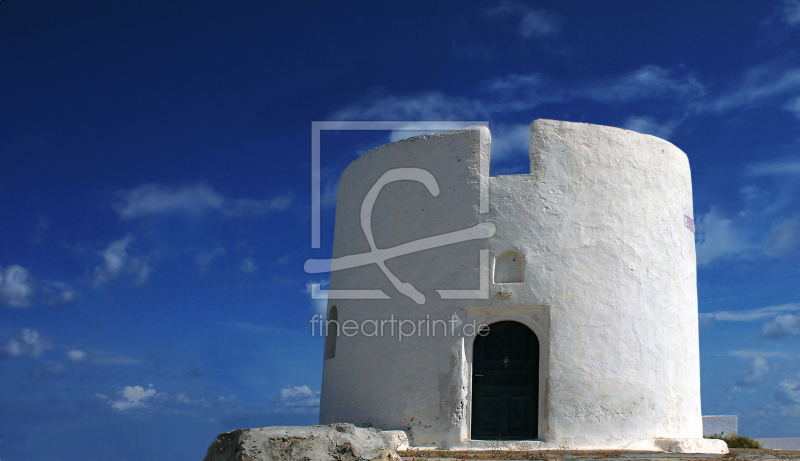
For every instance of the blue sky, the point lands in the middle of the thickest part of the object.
(155, 185)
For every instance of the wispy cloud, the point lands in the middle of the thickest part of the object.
(297, 399)
(76, 356)
(509, 140)
(783, 325)
(759, 85)
(29, 343)
(115, 259)
(19, 289)
(248, 266)
(190, 200)
(427, 106)
(683, 92)
(749, 315)
(649, 125)
(529, 22)
(791, 12)
(47, 372)
(788, 392)
(755, 372)
(793, 106)
(519, 92)
(785, 321)
(250, 207)
(718, 236)
(153, 199)
(784, 237)
(141, 399)
(775, 168)
(133, 397)
(204, 258)
(193, 372)
(16, 288)
(516, 92)
(646, 82)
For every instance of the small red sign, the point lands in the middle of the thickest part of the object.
(689, 223)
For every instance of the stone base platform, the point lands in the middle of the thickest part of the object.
(735, 454)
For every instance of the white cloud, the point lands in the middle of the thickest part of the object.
(717, 237)
(783, 325)
(518, 92)
(47, 372)
(28, 343)
(152, 199)
(647, 82)
(531, 22)
(16, 286)
(781, 167)
(250, 207)
(793, 106)
(785, 320)
(133, 397)
(401, 133)
(750, 353)
(65, 297)
(750, 315)
(141, 269)
(783, 238)
(76, 356)
(115, 256)
(116, 260)
(195, 200)
(511, 140)
(204, 259)
(758, 85)
(515, 92)
(791, 12)
(138, 397)
(538, 23)
(788, 392)
(649, 125)
(297, 399)
(755, 372)
(329, 193)
(426, 106)
(184, 399)
(248, 266)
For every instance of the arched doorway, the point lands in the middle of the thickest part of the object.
(505, 383)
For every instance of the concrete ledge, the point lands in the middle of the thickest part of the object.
(667, 445)
(606, 455)
(785, 443)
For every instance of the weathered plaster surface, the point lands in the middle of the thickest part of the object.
(609, 287)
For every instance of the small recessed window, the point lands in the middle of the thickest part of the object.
(509, 268)
(331, 332)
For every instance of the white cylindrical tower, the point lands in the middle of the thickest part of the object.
(589, 277)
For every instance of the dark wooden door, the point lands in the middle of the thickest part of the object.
(505, 383)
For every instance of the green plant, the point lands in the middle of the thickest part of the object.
(736, 441)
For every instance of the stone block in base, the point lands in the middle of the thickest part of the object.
(323, 443)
